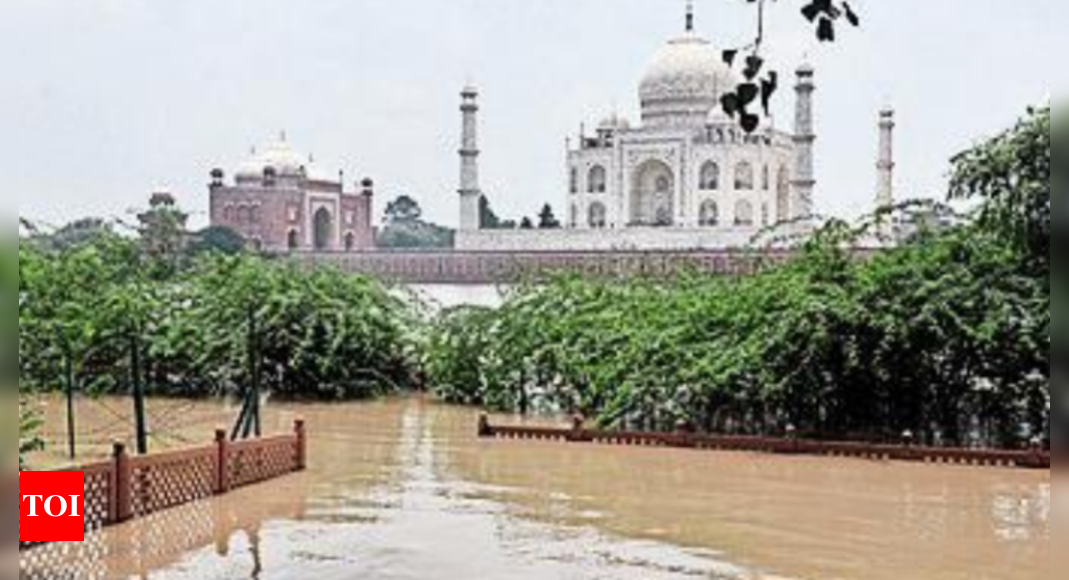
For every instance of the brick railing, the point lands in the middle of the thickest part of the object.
(1034, 458)
(127, 487)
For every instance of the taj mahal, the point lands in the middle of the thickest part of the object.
(685, 176)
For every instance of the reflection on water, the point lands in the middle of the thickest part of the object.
(404, 491)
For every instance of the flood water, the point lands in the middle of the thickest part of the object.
(403, 490)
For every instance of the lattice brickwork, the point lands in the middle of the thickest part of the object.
(126, 487)
(99, 489)
(173, 479)
(256, 461)
(65, 560)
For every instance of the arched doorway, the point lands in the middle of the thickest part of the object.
(323, 228)
(653, 195)
(350, 241)
(710, 214)
(597, 215)
(293, 241)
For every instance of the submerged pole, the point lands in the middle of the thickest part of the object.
(139, 395)
(71, 434)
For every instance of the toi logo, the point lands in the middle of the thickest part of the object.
(52, 506)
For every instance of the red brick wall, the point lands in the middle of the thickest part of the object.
(495, 267)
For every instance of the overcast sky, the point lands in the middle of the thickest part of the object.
(103, 101)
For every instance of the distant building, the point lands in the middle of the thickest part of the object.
(686, 176)
(280, 201)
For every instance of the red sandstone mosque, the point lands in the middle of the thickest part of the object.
(281, 202)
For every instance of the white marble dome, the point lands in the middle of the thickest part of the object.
(684, 82)
(279, 156)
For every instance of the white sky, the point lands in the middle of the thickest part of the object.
(103, 101)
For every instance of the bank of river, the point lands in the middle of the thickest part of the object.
(403, 490)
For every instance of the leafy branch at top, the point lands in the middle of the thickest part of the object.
(825, 15)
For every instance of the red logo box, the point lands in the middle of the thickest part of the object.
(52, 506)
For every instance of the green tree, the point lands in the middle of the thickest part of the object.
(163, 236)
(546, 219)
(403, 210)
(76, 234)
(29, 441)
(1011, 176)
(216, 239)
(488, 220)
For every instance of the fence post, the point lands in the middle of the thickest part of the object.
(908, 442)
(684, 434)
(222, 462)
(1036, 447)
(123, 508)
(792, 439)
(302, 445)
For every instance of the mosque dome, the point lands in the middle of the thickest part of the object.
(278, 157)
(614, 122)
(684, 82)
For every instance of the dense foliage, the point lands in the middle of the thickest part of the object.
(946, 337)
(84, 311)
(1059, 179)
(29, 441)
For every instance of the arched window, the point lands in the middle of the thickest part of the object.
(744, 213)
(709, 180)
(350, 241)
(744, 176)
(764, 214)
(293, 240)
(783, 195)
(244, 214)
(596, 215)
(765, 178)
(573, 181)
(596, 180)
(228, 213)
(573, 217)
(710, 214)
(254, 214)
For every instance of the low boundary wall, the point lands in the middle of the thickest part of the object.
(127, 487)
(1034, 458)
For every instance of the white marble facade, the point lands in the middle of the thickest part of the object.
(685, 176)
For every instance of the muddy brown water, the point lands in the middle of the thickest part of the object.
(403, 490)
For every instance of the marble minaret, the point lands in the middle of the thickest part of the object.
(804, 180)
(885, 166)
(470, 193)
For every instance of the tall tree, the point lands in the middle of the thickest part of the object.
(488, 220)
(163, 235)
(546, 219)
(1011, 176)
(403, 210)
(404, 227)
